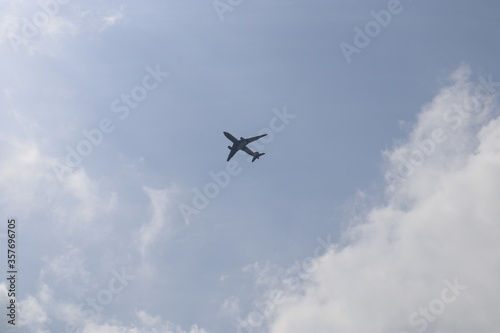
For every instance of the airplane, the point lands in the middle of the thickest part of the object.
(241, 144)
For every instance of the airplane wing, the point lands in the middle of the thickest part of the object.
(255, 138)
(230, 137)
(248, 151)
(231, 153)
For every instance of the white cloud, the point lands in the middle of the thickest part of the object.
(108, 328)
(440, 223)
(30, 183)
(85, 199)
(40, 28)
(150, 231)
(113, 18)
(4, 301)
(230, 307)
(68, 270)
(147, 319)
(266, 275)
(33, 313)
(35, 28)
(21, 171)
(148, 324)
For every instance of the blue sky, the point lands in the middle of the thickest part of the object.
(374, 208)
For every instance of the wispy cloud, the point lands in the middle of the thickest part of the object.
(115, 17)
(151, 230)
(68, 271)
(41, 28)
(147, 324)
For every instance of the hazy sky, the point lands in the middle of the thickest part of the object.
(375, 208)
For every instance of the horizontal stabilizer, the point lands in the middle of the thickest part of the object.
(256, 156)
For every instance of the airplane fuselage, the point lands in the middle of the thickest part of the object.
(238, 145)
(241, 144)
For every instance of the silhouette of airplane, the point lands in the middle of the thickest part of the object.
(241, 144)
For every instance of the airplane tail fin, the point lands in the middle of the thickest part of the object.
(256, 156)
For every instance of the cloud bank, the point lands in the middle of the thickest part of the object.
(428, 259)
